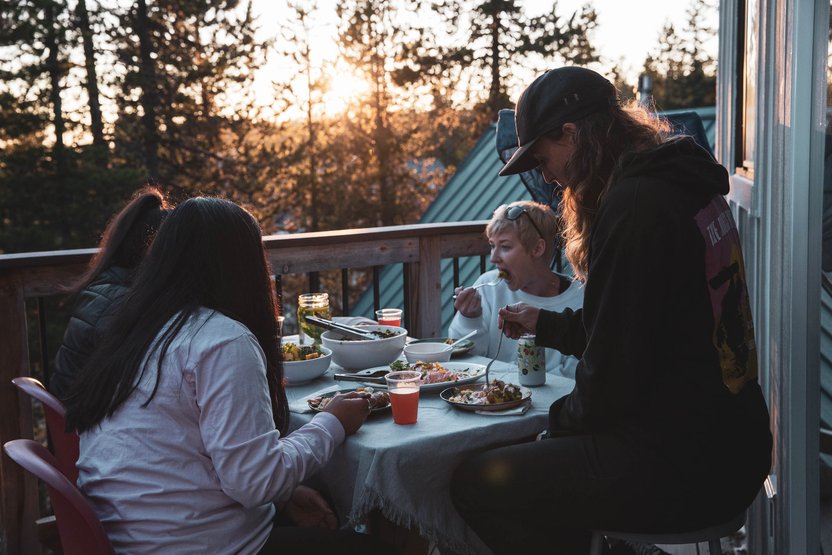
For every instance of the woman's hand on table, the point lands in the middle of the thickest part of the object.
(517, 319)
(307, 508)
(467, 302)
(351, 409)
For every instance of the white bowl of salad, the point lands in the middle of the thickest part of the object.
(357, 354)
(304, 363)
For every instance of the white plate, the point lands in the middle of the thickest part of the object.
(333, 393)
(473, 372)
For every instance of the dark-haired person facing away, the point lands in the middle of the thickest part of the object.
(182, 412)
(666, 429)
(122, 247)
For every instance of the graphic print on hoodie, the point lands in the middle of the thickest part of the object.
(733, 333)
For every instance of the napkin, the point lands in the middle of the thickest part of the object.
(353, 320)
(519, 410)
(300, 406)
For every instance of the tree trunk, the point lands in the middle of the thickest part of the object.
(381, 136)
(53, 67)
(149, 95)
(496, 85)
(96, 122)
(312, 146)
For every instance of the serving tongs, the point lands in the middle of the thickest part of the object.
(349, 331)
(367, 376)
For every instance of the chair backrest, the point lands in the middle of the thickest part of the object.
(690, 123)
(65, 444)
(80, 530)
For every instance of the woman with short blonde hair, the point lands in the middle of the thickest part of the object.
(523, 237)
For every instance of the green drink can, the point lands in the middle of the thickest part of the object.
(531, 362)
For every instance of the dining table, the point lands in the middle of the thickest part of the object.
(405, 471)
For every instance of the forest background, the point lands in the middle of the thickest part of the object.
(97, 99)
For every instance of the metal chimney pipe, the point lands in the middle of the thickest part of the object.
(645, 90)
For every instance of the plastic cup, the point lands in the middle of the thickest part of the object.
(403, 388)
(389, 316)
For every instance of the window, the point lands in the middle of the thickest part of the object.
(748, 70)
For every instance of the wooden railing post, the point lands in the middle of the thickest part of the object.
(425, 289)
(19, 489)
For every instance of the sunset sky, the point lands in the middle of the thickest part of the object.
(626, 31)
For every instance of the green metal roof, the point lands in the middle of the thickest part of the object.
(472, 194)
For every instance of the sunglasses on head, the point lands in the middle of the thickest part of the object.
(514, 212)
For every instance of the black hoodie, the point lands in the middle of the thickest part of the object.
(665, 337)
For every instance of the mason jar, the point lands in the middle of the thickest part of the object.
(312, 303)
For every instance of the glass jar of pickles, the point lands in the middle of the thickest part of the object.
(312, 303)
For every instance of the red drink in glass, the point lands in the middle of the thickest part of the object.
(405, 403)
(404, 395)
(389, 317)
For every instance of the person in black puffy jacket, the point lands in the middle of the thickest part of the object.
(123, 246)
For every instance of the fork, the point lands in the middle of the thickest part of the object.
(496, 280)
(493, 360)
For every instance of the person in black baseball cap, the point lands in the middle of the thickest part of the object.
(666, 428)
(566, 94)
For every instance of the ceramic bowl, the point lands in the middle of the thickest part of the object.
(357, 354)
(302, 371)
(427, 352)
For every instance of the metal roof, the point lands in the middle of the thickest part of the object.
(472, 194)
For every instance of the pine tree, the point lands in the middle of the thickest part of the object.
(190, 67)
(84, 27)
(683, 71)
(369, 38)
(304, 91)
(502, 36)
(498, 35)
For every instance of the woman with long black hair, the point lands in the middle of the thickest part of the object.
(182, 412)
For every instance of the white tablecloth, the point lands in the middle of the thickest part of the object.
(405, 471)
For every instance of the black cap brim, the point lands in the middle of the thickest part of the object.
(521, 161)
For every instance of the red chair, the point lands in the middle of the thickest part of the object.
(80, 530)
(65, 444)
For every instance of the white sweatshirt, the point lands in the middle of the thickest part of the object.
(488, 334)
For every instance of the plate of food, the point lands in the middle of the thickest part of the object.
(459, 349)
(496, 395)
(379, 400)
(436, 375)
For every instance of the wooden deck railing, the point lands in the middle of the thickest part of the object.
(22, 276)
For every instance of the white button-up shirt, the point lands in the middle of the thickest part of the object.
(197, 469)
